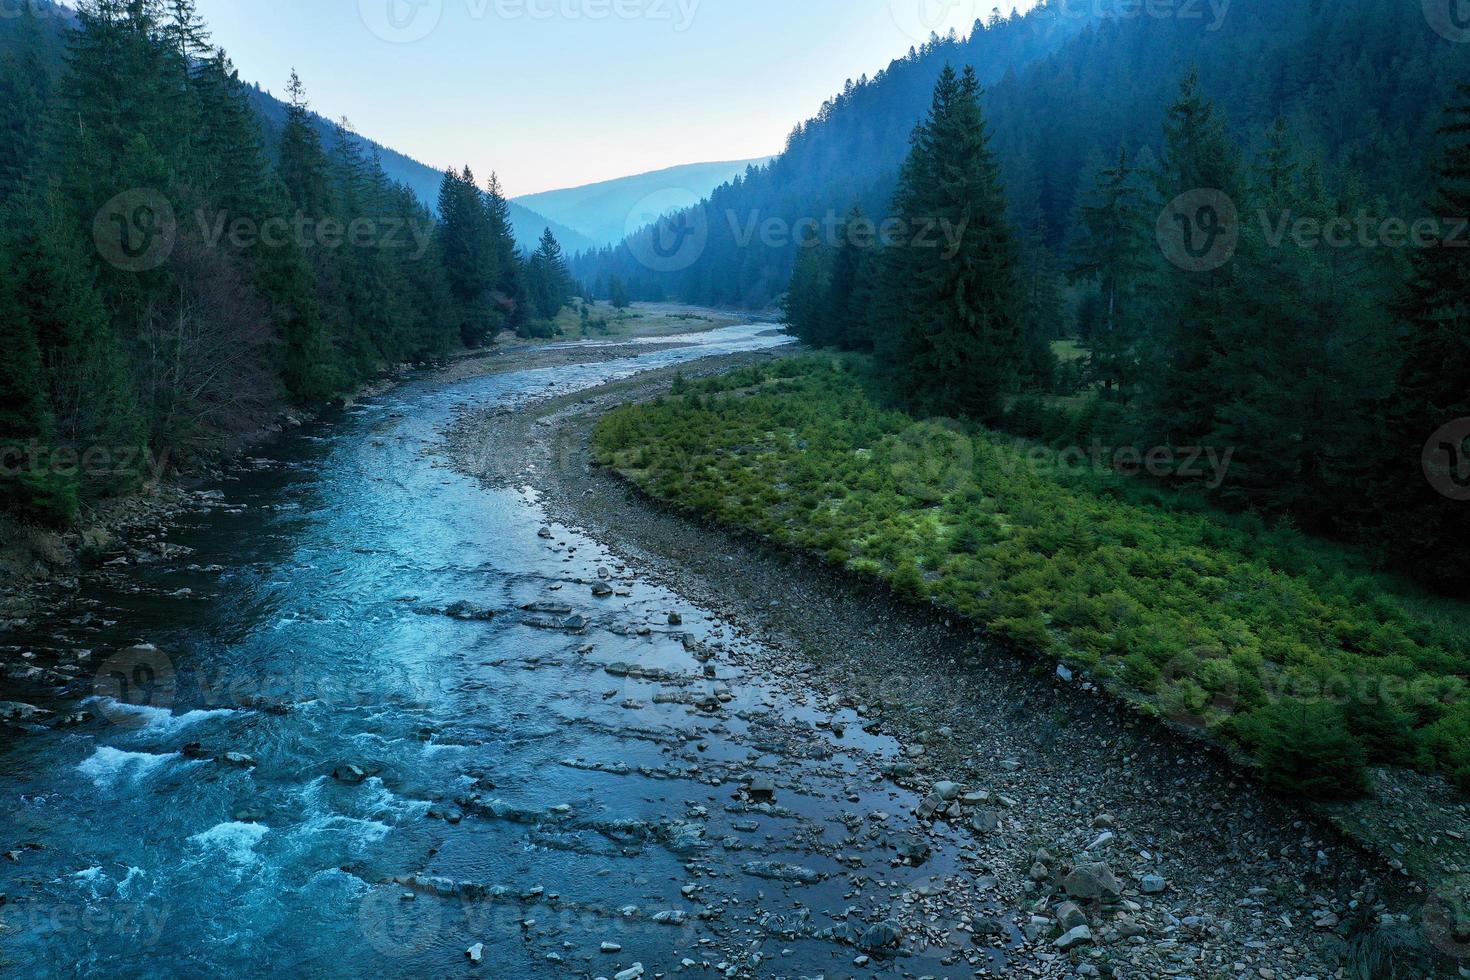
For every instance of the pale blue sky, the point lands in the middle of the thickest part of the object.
(555, 93)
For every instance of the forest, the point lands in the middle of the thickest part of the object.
(177, 273)
(1275, 272)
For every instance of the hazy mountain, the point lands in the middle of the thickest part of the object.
(603, 211)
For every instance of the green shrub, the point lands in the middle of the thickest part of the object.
(1305, 748)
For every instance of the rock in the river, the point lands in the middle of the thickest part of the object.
(775, 871)
(915, 850)
(884, 935)
(237, 759)
(349, 773)
(609, 949)
(1093, 882)
(544, 534)
(16, 711)
(469, 612)
(675, 619)
(1081, 936)
(631, 973)
(761, 788)
(476, 954)
(601, 590)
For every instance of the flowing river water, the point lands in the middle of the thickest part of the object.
(575, 783)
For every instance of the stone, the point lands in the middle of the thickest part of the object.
(761, 788)
(238, 759)
(609, 949)
(475, 954)
(1153, 885)
(631, 973)
(986, 821)
(1040, 872)
(349, 773)
(1092, 882)
(16, 711)
(775, 871)
(1070, 916)
(469, 612)
(1129, 929)
(914, 850)
(988, 928)
(601, 590)
(1081, 936)
(946, 791)
(675, 619)
(884, 935)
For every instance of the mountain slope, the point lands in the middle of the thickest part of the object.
(420, 178)
(1360, 82)
(424, 180)
(601, 211)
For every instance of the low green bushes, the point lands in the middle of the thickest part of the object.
(1286, 646)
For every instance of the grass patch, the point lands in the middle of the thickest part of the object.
(1287, 647)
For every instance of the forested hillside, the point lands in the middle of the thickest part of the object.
(400, 168)
(1359, 83)
(173, 277)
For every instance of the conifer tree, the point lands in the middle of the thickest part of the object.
(1193, 290)
(952, 296)
(806, 299)
(1427, 456)
(1110, 252)
(551, 283)
(25, 89)
(850, 285)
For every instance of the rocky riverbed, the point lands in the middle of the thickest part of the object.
(1113, 848)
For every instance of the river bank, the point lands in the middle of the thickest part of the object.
(1222, 878)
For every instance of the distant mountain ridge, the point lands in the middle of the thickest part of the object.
(602, 211)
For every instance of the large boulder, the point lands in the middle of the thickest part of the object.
(1093, 882)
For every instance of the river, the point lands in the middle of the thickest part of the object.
(553, 782)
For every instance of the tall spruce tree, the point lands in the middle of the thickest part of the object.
(952, 297)
(1194, 290)
(1427, 456)
(1110, 253)
(550, 282)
